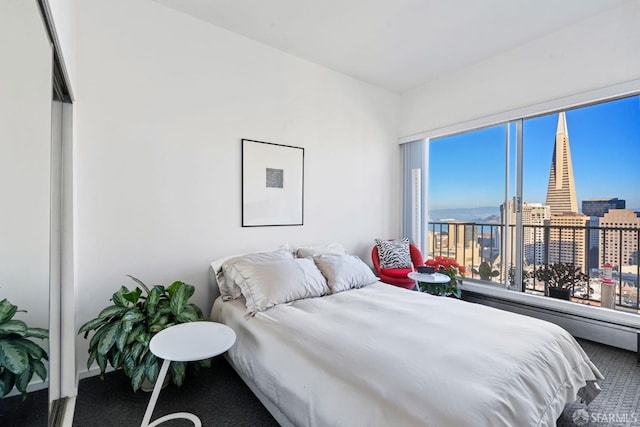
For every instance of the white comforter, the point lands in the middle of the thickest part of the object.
(385, 356)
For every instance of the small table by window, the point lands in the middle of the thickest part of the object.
(186, 342)
(429, 278)
(435, 284)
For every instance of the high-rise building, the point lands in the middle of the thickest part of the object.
(593, 244)
(561, 192)
(599, 207)
(459, 241)
(534, 216)
(567, 239)
(567, 232)
(620, 237)
(507, 216)
(595, 209)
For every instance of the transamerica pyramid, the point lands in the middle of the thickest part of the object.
(561, 193)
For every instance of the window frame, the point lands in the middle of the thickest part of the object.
(517, 116)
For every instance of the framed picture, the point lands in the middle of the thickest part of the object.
(272, 184)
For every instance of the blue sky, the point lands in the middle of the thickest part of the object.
(468, 170)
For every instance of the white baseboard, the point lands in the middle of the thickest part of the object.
(34, 385)
(93, 372)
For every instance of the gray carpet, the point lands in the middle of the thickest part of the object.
(217, 396)
(618, 404)
(220, 398)
(31, 412)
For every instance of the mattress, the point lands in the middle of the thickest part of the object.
(382, 356)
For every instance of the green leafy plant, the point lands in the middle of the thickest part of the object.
(485, 271)
(20, 358)
(450, 268)
(511, 275)
(562, 275)
(123, 330)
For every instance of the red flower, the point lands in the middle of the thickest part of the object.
(448, 266)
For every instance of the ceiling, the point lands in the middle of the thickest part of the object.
(394, 44)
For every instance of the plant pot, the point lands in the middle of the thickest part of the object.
(147, 386)
(560, 293)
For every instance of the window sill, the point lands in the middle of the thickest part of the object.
(596, 313)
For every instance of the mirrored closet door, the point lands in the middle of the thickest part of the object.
(25, 208)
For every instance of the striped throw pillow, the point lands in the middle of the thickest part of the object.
(394, 253)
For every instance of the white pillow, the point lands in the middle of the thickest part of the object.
(331, 248)
(344, 272)
(228, 275)
(266, 284)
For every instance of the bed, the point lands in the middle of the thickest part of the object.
(379, 355)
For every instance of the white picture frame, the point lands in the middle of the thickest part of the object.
(272, 184)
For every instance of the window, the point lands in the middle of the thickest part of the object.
(558, 188)
(466, 187)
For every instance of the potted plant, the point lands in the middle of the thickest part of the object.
(560, 277)
(448, 267)
(485, 271)
(123, 330)
(20, 357)
(511, 277)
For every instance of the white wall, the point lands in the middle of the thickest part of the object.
(597, 52)
(163, 101)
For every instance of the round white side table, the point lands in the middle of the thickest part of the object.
(186, 342)
(429, 278)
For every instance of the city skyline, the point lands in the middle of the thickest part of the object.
(605, 146)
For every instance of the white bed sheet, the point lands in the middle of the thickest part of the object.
(383, 356)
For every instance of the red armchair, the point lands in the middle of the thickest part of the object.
(397, 276)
